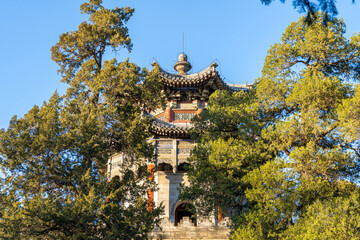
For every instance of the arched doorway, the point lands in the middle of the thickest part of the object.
(185, 210)
(164, 167)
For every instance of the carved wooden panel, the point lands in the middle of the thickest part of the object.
(184, 151)
(186, 106)
(186, 144)
(165, 151)
(165, 144)
(184, 116)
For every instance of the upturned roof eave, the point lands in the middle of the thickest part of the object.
(196, 79)
(166, 129)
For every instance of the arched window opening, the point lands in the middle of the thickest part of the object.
(185, 210)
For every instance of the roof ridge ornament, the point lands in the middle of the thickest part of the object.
(182, 66)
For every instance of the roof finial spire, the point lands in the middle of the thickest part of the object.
(182, 66)
(183, 43)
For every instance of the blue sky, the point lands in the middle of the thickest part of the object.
(235, 33)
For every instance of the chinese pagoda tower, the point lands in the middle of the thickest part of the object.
(186, 95)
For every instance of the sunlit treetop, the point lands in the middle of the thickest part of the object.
(105, 28)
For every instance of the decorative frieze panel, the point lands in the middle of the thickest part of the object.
(165, 160)
(184, 151)
(164, 151)
(186, 144)
(187, 105)
(184, 116)
(165, 144)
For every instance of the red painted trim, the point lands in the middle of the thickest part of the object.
(151, 192)
(181, 121)
(185, 111)
(220, 216)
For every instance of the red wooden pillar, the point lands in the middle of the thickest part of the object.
(151, 192)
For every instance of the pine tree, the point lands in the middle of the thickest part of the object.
(288, 151)
(55, 157)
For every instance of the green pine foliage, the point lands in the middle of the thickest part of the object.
(283, 158)
(337, 218)
(310, 7)
(55, 157)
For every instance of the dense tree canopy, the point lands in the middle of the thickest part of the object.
(311, 7)
(285, 157)
(54, 158)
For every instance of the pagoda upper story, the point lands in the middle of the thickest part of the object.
(186, 95)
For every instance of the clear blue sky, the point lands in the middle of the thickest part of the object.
(236, 33)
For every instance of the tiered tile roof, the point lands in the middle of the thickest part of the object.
(209, 76)
(206, 81)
